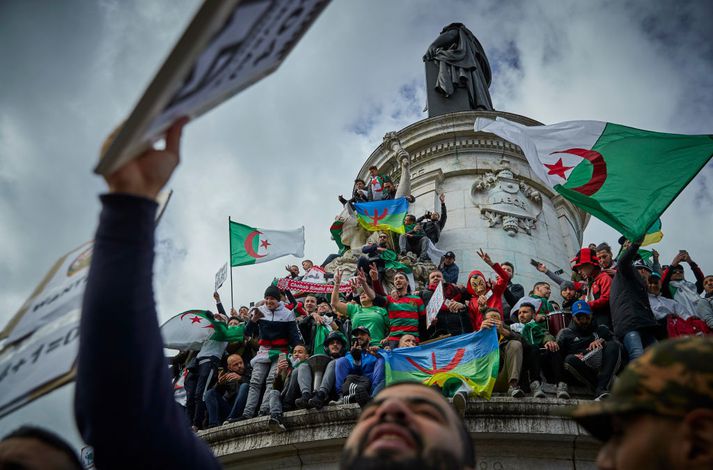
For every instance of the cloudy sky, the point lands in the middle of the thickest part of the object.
(277, 155)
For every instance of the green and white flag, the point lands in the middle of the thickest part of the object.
(250, 245)
(625, 177)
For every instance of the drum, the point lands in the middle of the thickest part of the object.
(556, 321)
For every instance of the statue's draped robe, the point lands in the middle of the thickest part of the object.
(465, 64)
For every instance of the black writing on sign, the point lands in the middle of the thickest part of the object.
(45, 349)
(252, 42)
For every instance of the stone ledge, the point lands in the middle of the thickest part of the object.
(522, 433)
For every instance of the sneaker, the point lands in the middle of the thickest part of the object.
(317, 401)
(602, 396)
(515, 391)
(304, 401)
(361, 396)
(460, 401)
(536, 388)
(235, 420)
(562, 391)
(275, 424)
(346, 399)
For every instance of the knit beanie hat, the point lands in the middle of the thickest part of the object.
(272, 291)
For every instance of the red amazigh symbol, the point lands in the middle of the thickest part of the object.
(376, 215)
(451, 365)
(558, 169)
(599, 170)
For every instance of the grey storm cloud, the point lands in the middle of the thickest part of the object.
(278, 154)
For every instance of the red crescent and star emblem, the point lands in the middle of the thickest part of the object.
(248, 245)
(599, 169)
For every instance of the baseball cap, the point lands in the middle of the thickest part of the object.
(581, 307)
(671, 379)
(641, 265)
(449, 254)
(360, 329)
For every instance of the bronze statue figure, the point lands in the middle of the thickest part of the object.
(461, 63)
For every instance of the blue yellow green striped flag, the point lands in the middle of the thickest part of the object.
(653, 234)
(382, 215)
(471, 360)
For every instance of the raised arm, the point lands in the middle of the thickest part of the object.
(444, 212)
(337, 304)
(143, 423)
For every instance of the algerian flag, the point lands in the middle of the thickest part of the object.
(250, 245)
(190, 329)
(187, 330)
(625, 177)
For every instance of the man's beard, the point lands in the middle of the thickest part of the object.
(435, 459)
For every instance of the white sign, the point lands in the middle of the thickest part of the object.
(46, 357)
(221, 276)
(434, 305)
(229, 45)
(60, 292)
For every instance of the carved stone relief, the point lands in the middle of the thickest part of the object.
(506, 201)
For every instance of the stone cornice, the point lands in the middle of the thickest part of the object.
(310, 431)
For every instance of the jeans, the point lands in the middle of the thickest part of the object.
(510, 365)
(636, 341)
(263, 372)
(220, 409)
(305, 378)
(195, 407)
(600, 379)
(418, 246)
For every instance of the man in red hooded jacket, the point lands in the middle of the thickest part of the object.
(599, 286)
(478, 288)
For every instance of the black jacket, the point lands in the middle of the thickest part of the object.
(576, 340)
(433, 229)
(629, 298)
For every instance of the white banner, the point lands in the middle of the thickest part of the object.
(47, 356)
(221, 276)
(60, 292)
(434, 305)
(228, 46)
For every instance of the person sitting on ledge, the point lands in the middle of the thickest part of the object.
(414, 240)
(510, 354)
(432, 223)
(591, 355)
(360, 373)
(540, 349)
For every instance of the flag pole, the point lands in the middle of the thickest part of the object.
(230, 244)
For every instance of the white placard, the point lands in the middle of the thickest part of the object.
(60, 292)
(229, 45)
(434, 305)
(47, 356)
(221, 276)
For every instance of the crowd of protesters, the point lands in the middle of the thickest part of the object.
(301, 350)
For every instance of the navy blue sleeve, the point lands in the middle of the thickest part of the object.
(124, 403)
(252, 329)
(295, 336)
